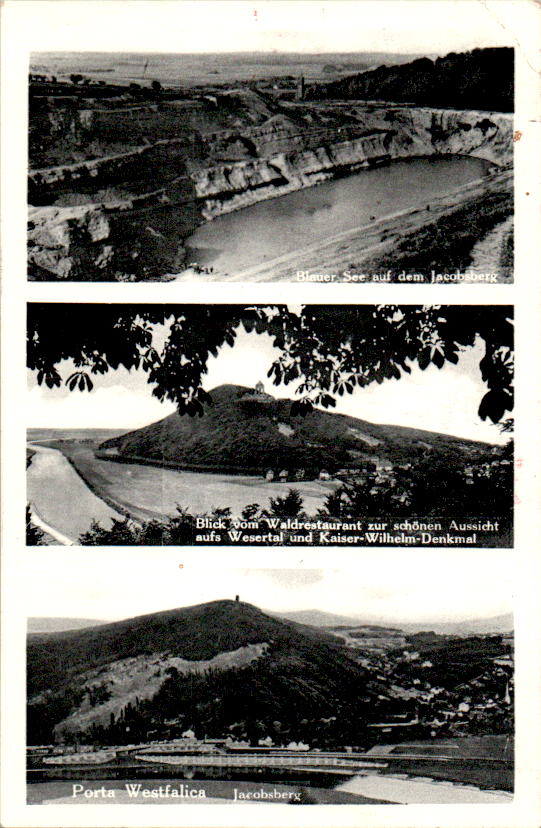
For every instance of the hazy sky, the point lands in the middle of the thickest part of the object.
(417, 26)
(390, 585)
(443, 400)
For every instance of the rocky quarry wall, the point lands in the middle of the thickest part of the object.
(141, 236)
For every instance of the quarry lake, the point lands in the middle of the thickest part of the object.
(264, 231)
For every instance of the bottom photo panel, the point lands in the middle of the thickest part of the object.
(164, 683)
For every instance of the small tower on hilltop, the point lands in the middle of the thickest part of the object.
(260, 388)
(237, 597)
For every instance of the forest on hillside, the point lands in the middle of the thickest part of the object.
(480, 79)
(303, 690)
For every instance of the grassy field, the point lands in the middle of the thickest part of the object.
(448, 242)
(485, 761)
(467, 772)
(498, 746)
(97, 434)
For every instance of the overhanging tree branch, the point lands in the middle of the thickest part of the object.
(328, 350)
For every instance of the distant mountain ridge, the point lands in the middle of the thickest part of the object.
(472, 626)
(314, 618)
(318, 618)
(248, 432)
(494, 624)
(52, 625)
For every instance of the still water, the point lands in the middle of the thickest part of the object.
(273, 228)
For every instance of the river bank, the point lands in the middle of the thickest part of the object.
(404, 790)
(60, 500)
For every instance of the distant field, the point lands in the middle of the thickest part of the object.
(465, 771)
(73, 433)
(210, 68)
(470, 747)
(470, 763)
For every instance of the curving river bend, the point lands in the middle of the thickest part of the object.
(63, 501)
(60, 498)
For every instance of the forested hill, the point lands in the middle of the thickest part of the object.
(480, 79)
(228, 669)
(153, 673)
(193, 633)
(247, 432)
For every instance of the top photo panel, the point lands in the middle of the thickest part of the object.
(273, 166)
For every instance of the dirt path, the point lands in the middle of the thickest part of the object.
(486, 254)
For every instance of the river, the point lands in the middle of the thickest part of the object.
(60, 497)
(64, 502)
(421, 791)
(272, 228)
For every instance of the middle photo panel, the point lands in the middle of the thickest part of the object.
(270, 425)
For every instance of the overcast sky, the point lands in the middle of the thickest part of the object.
(442, 400)
(410, 26)
(390, 585)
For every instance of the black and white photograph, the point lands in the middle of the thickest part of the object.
(219, 425)
(271, 686)
(384, 156)
(270, 537)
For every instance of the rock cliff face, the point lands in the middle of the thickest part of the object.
(137, 238)
(399, 133)
(142, 204)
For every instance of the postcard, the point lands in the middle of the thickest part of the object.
(270, 467)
